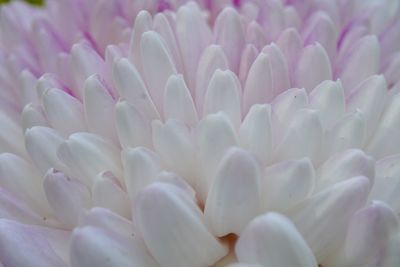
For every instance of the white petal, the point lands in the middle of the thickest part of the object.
(87, 155)
(348, 132)
(107, 193)
(106, 219)
(22, 246)
(92, 246)
(273, 240)
(23, 180)
(33, 115)
(291, 44)
(256, 132)
(141, 167)
(233, 199)
(361, 61)
(42, 144)
(158, 209)
(174, 144)
(387, 181)
(328, 99)
(63, 111)
(157, 65)
(286, 184)
(213, 58)
(178, 103)
(322, 219)
(255, 35)
(193, 36)
(280, 75)
(99, 107)
(132, 128)
(11, 136)
(67, 197)
(27, 83)
(302, 138)
(85, 62)
(313, 57)
(143, 23)
(131, 87)
(369, 97)
(385, 140)
(215, 136)
(223, 94)
(259, 84)
(229, 33)
(163, 27)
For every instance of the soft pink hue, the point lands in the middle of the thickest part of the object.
(209, 133)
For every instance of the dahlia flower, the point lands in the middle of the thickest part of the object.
(191, 134)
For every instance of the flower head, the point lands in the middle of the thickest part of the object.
(209, 133)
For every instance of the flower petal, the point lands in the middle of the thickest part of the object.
(272, 240)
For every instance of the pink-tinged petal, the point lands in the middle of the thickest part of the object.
(99, 108)
(223, 94)
(85, 62)
(63, 111)
(286, 184)
(178, 103)
(387, 182)
(23, 180)
(158, 65)
(392, 70)
(213, 58)
(322, 218)
(131, 87)
(369, 233)
(47, 43)
(45, 82)
(229, 33)
(23, 245)
(302, 138)
(107, 220)
(272, 17)
(92, 246)
(132, 128)
(141, 167)
(292, 17)
(328, 99)
(343, 166)
(33, 115)
(389, 40)
(244, 265)
(272, 240)
(256, 132)
(249, 54)
(348, 132)
(67, 197)
(280, 74)
(233, 199)
(108, 193)
(370, 98)
(215, 135)
(255, 35)
(320, 28)
(163, 27)
(291, 44)
(164, 211)
(174, 144)
(360, 62)
(193, 35)
(14, 208)
(312, 57)
(258, 88)
(143, 23)
(87, 155)
(42, 144)
(385, 140)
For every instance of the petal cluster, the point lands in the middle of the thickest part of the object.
(200, 133)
